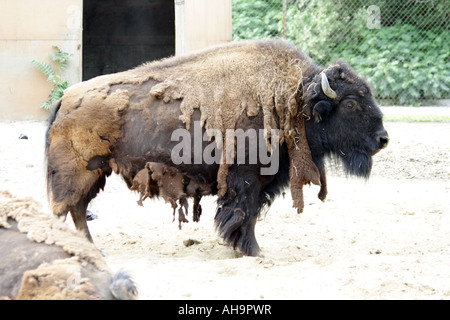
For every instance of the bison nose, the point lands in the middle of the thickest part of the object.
(382, 139)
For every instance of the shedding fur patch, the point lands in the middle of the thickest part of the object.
(173, 186)
(252, 77)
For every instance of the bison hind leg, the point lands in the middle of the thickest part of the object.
(197, 209)
(182, 213)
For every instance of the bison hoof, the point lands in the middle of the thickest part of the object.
(253, 252)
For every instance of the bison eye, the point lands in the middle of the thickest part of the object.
(350, 104)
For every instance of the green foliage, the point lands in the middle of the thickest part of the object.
(256, 19)
(403, 63)
(61, 60)
(407, 59)
(424, 14)
(317, 26)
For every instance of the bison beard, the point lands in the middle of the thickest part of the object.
(123, 123)
(358, 164)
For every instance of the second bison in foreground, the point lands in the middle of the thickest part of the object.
(43, 259)
(299, 112)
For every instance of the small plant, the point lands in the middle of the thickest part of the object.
(61, 60)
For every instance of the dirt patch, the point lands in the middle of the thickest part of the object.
(386, 238)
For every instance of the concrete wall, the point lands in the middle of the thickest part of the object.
(202, 23)
(28, 30)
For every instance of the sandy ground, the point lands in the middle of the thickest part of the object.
(388, 238)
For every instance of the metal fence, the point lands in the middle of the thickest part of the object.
(401, 47)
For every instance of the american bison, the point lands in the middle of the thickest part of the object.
(41, 258)
(286, 115)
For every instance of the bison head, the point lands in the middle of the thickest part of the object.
(344, 122)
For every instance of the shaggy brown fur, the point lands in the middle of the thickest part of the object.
(297, 175)
(43, 259)
(167, 182)
(171, 187)
(248, 77)
(144, 184)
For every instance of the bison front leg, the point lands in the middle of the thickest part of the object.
(238, 211)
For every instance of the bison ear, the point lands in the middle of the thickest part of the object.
(321, 110)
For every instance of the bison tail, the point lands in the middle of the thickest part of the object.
(53, 113)
(123, 287)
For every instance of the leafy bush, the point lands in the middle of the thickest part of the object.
(403, 63)
(61, 59)
(256, 19)
(407, 59)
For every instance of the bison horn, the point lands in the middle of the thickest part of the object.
(330, 93)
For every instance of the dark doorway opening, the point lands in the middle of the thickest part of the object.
(121, 34)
